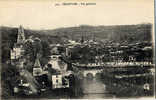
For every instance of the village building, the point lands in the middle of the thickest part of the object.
(68, 51)
(58, 81)
(57, 63)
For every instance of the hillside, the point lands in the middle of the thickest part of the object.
(116, 33)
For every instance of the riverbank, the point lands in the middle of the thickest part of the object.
(130, 87)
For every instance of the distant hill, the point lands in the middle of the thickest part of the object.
(115, 33)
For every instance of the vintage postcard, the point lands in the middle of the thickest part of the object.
(77, 49)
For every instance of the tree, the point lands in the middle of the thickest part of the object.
(9, 75)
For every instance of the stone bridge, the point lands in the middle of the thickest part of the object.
(92, 73)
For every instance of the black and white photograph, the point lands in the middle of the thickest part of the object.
(77, 49)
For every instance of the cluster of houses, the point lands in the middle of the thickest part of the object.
(116, 54)
(55, 69)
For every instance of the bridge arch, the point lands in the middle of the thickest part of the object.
(90, 75)
(81, 75)
(93, 72)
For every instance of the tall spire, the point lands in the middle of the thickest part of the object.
(82, 39)
(21, 37)
(37, 63)
(93, 36)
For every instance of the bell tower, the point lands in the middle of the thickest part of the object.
(82, 38)
(18, 50)
(37, 70)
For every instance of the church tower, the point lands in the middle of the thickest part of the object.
(93, 36)
(37, 69)
(20, 37)
(37, 63)
(82, 39)
(18, 50)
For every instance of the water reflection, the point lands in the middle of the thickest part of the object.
(94, 88)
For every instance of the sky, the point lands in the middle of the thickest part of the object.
(44, 14)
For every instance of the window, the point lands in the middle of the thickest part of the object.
(56, 81)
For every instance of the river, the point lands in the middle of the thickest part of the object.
(95, 88)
